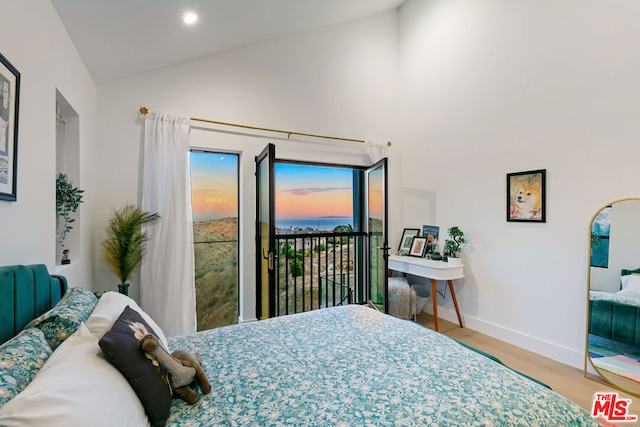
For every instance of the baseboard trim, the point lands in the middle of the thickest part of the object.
(544, 348)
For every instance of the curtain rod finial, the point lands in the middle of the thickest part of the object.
(143, 111)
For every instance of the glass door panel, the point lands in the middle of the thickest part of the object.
(376, 214)
(265, 233)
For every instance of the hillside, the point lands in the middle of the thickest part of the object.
(216, 272)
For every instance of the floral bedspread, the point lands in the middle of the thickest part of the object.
(353, 366)
(620, 298)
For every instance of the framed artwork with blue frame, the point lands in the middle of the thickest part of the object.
(600, 237)
(431, 232)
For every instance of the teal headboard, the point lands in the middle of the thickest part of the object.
(26, 291)
(627, 272)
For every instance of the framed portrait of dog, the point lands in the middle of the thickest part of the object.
(526, 196)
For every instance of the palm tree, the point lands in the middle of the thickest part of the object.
(124, 246)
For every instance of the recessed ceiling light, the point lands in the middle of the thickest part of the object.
(190, 18)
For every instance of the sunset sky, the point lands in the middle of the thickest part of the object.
(214, 185)
(376, 203)
(301, 191)
(312, 191)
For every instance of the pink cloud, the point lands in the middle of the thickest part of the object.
(313, 190)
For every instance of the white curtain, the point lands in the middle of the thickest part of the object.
(377, 150)
(167, 284)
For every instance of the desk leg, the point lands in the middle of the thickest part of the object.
(434, 293)
(455, 302)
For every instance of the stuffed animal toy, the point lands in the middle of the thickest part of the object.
(184, 369)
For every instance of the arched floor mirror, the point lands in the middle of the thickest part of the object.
(612, 353)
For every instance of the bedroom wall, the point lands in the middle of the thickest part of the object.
(34, 40)
(468, 92)
(498, 86)
(340, 81)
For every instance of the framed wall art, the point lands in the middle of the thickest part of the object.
(418, 246)
(407, 238)
(526, 196)
(9, 97)
(431, 232)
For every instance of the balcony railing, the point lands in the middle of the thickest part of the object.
(318, 270)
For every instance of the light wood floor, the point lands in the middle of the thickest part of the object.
(565, 380)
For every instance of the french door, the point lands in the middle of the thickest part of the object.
(372, 215)
(265, 233)
(377, 232)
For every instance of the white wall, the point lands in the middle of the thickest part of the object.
(340, 81)
(468, 91)
(497, 86)
(34, 40)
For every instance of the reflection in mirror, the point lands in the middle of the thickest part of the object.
(613, 312)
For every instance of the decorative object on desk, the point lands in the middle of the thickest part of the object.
(68, 199)
(9, 97)
(436, 257)
(526, 196)
(452, 245)
(65, 257)
(418, 246)
(407, 238)
(431, 232)
(125, 243)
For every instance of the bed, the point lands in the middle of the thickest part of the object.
(616, 315)
(340, 366)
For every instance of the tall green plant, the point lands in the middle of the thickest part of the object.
(124, 246)
(68, 198)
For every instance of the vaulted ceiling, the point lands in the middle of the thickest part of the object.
(117, 38)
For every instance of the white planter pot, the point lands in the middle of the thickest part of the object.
(454, 260)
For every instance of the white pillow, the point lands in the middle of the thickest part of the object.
(109, 308)
(76, 387)
(630, 284)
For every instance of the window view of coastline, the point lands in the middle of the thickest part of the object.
(316, 267)
(312, 198)
(214, 201)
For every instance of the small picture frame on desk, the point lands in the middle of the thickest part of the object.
(431, 233)
(418, 247)
(407, 239)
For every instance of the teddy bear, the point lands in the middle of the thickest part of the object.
(184, 369)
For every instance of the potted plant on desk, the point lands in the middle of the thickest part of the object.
(125, 243)
(453, 244)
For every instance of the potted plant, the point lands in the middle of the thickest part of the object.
(453, 244)
(124, 246)
(68, 199)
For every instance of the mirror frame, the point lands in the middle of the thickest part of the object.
(599, 376)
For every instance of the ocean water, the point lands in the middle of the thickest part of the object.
(326, 223)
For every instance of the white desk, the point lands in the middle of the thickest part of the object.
(430, 269)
